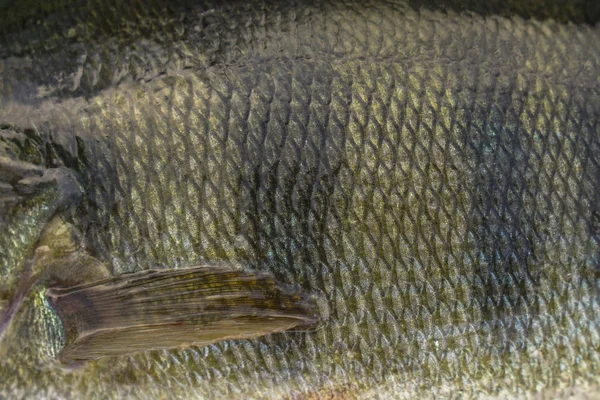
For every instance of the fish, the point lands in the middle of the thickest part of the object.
(304, 199)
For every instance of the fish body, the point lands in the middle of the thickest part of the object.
(432, 175)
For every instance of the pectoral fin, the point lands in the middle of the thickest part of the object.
(175, 308)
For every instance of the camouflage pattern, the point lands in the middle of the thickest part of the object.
(433, 174)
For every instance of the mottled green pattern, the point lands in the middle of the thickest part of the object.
(434, 175)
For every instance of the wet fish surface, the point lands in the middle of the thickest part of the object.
(421, 178)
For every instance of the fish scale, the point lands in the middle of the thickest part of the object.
(432, 174)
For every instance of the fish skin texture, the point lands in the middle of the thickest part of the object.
(432, 174)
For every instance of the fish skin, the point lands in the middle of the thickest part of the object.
(433, 174)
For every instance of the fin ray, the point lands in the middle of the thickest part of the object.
(175, 308)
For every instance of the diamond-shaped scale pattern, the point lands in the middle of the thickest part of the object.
(432, 176)
(447, 231)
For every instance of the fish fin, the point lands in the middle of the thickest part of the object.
(61, 256)
(175, 308)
